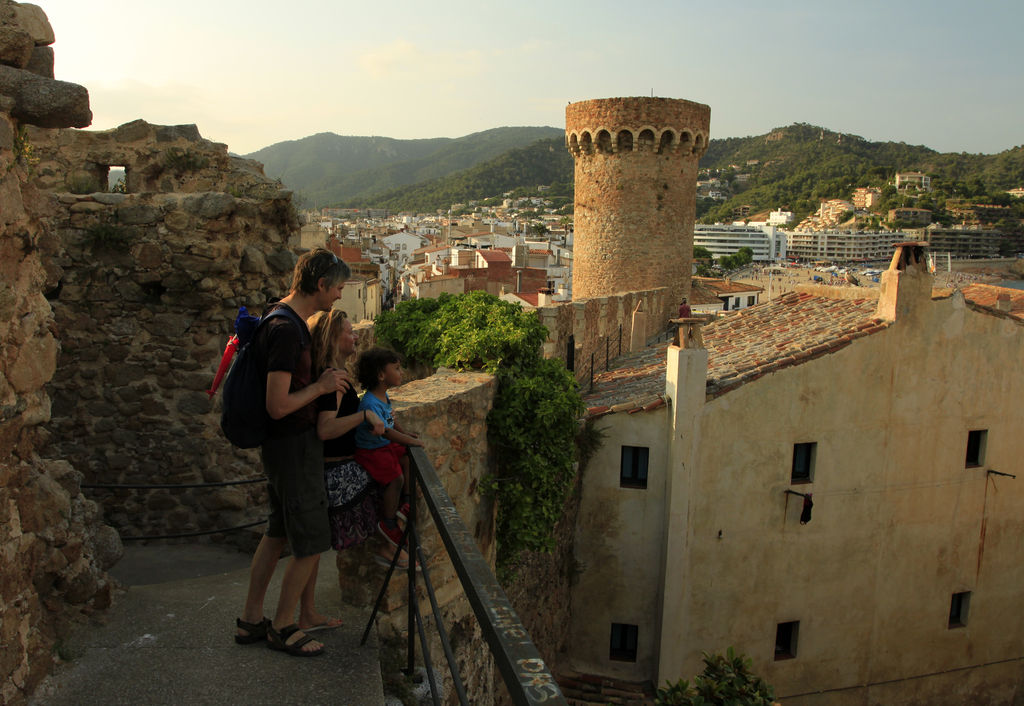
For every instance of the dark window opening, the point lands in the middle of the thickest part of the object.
(623, 642)
(785, 640)
(976, 447)
(633, 471)
(803, 462)
(625, 141)
(667, 139)
(750, 301)
(958, 606)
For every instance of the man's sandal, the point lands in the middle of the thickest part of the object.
(256, 631)
(278, 640)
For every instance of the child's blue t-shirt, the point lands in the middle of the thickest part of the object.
(382, 408)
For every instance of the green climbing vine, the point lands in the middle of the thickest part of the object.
(534, 421)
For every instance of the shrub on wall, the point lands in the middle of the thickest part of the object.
(534, 420)
(726, 679)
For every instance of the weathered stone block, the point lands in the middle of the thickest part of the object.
(138, 214)
(33, 20)
(45, 102)
(253, 261)
(282, 260)
(41, 62)
(16, 46)
(210, 205)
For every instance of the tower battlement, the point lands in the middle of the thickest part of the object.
(622, 125)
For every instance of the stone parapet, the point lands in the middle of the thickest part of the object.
(598, 329)
(449, 412)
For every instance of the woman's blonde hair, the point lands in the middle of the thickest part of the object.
(323, 329)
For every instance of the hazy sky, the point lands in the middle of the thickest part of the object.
(949, 75)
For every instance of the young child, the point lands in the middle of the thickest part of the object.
(384, 457)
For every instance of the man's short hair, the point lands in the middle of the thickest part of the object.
(315, 265)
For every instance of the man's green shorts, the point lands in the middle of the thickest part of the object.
(298, 497)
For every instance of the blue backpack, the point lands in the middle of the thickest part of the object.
(243, 418)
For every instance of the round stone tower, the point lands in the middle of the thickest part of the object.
(636, 184)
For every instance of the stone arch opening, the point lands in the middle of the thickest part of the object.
(686, 141)
(645, 142)
(586, 143)
(604, 142)
(625, 140)
(667, 141)
(698, 144)
(574, 144)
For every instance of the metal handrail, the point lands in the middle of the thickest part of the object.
(526, 675)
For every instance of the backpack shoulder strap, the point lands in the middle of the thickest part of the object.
(287, 312)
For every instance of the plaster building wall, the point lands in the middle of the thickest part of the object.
(635, 193)
(620, 550)
(899, 524)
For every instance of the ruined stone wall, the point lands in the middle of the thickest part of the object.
(53, 547)
(599, 328)
(145, 287)
(635, 175)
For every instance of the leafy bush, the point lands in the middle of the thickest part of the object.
(534, 420)
(184, 160)
(725, 680)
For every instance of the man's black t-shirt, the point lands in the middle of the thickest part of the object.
(280, 344)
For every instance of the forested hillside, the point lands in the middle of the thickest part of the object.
(793, 168)
(545, 162)
(328, 169)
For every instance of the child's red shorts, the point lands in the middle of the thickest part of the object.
(383, 463)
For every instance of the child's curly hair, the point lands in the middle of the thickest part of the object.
(371, 363)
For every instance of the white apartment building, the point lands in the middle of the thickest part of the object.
(766, 241)
(846, 246)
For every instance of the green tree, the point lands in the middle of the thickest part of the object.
(534, 420)
(701, 253)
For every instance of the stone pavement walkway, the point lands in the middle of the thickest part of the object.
(168, 640)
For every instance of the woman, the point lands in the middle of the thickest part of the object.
(351, 492)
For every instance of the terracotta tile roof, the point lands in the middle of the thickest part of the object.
(742, 347)
(726, 286)
(490, 256)
(988, 295)
(701, 294)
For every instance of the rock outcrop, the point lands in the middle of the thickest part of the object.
(54, 547)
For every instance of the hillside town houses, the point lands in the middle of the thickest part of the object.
(522, 248)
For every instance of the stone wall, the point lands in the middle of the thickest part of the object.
(145, 287)
(635, 176)
(449, 412)
(53, 546)
(600, 326)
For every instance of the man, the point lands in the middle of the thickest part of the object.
(293, 458)
(684, 310)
